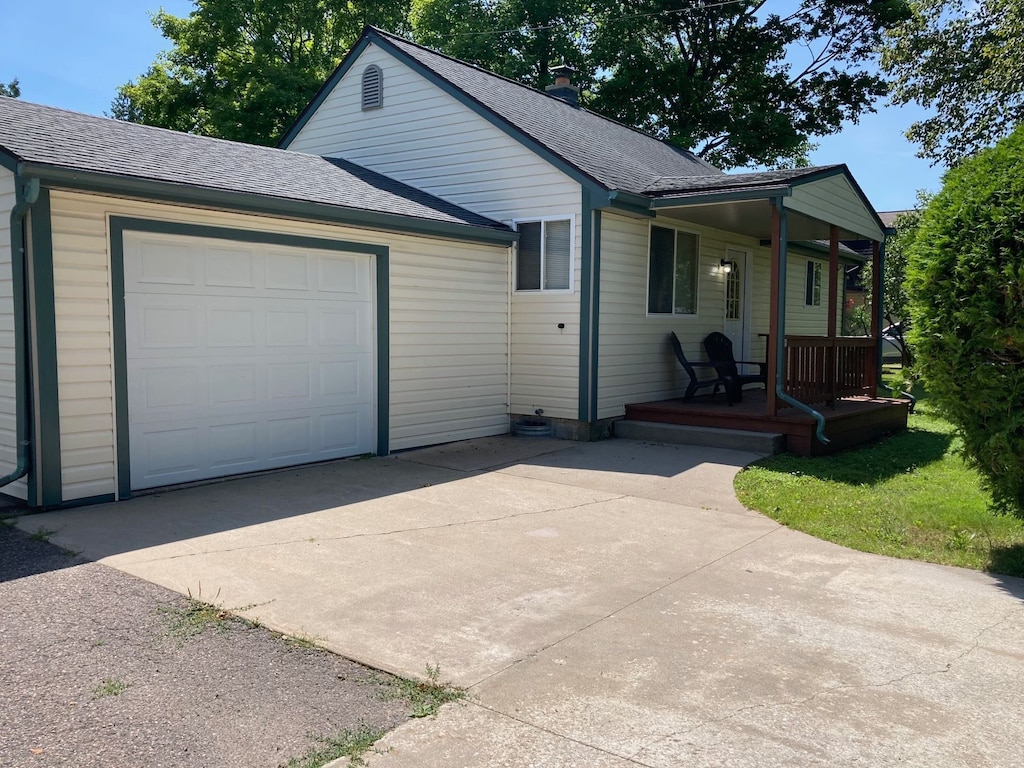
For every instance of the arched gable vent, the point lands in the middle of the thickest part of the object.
(373, 87)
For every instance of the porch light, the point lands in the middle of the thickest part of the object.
(725, 266)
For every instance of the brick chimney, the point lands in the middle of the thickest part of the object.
(563, 87)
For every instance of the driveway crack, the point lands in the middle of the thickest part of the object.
(630, 604)
(563, 736)
(975, 644)
(392, 532)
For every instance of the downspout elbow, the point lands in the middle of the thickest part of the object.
(26, 193)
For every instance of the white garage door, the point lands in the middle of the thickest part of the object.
(244, 357)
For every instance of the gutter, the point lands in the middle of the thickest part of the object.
(26, 193)
(780, 342)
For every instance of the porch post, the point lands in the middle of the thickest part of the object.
(833, 307)
(876, 316)
(775, 344)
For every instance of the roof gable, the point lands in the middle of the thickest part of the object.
(592, 149)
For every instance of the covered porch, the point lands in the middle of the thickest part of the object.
(822, 388)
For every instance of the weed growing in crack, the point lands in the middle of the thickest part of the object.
(43, 534)
(195, 617)
(109, 687)
(425, 697)
(350, 744)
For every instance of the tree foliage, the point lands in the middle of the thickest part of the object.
(966, 286)
(741, 83)
(244, 69)
(744, 83)
(11, 89)
(520, 39)
(964, 59)
(896, 307)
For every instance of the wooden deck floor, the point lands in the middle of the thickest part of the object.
(848, 421)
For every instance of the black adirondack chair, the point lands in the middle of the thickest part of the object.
(695, 382)
(719, 349)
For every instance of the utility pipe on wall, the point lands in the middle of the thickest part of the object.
(26, 192)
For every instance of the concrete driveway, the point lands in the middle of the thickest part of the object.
(606, 604)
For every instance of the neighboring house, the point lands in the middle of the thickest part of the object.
(196, 308)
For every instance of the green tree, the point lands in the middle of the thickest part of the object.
(11, 89)
(519, 39)
(244, 69)
(746, 82)
(966, 287)
(743, 83)
(963, 59)
(896, 308)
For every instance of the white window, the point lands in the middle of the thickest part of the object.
(373, 87)
(672, 272)
(812, 296)
(544, 255)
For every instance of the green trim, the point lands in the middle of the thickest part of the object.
(383, 352)
(595, 357)
(586, 295)
(9, 160)
(628, 202)
(124, 455)
(47, 489)
(149, 189)
(495, 119)
(721, 196)
(325, 90)
(120, 224)
(87, 501)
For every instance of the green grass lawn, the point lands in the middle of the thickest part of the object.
(910, 495)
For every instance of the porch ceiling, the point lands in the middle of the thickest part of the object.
(752, 218)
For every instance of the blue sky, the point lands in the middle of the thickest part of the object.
(74, 54)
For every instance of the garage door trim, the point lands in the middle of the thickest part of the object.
(120, 224)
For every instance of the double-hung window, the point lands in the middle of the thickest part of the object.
(544, 255)
(672, 272)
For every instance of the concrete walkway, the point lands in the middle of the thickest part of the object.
(606, 604)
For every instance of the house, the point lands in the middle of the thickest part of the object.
(432, 251)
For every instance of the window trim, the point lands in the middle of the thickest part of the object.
(379, 104)
(571, 218)
(647, 278)
(812, 283)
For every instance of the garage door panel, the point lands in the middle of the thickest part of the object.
(230, 268)
(163, 263)
(247, 358)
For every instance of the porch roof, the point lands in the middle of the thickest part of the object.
(815, 199)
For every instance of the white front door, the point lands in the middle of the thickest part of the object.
(244, 356)
(736, 322)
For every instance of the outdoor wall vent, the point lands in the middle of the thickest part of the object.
(373, 87)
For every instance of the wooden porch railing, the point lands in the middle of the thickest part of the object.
(820, 369)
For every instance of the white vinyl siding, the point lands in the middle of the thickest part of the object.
(804, 319)
(448, 331)
(8, 395)
(636, 363)
(427, 138)
(834, 200)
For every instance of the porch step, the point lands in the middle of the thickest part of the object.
(710, 437)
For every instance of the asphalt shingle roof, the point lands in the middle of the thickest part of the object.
(668, 185)
(615, 156)
(73, 141)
